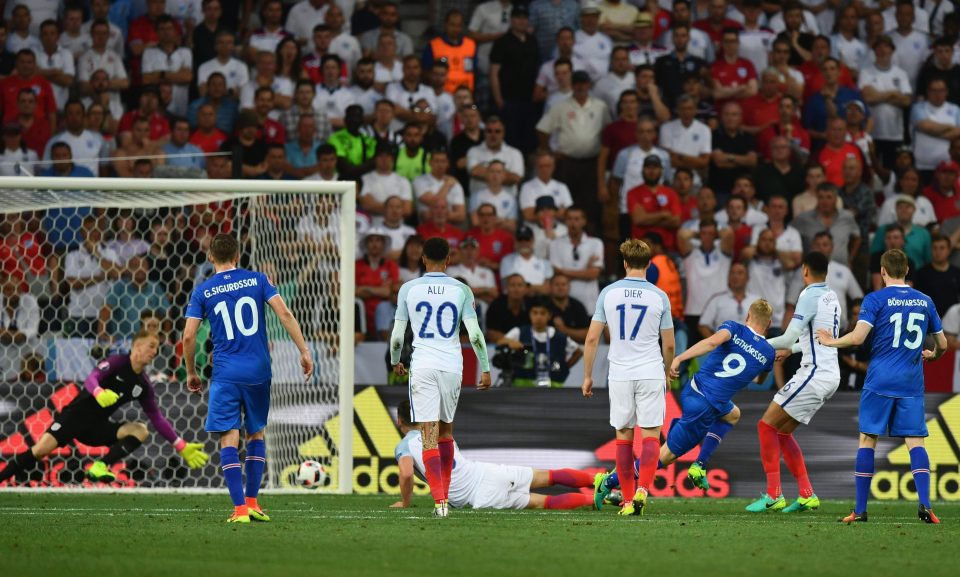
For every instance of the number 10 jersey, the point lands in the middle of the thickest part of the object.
(435, 304)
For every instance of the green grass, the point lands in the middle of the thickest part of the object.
(185, 535)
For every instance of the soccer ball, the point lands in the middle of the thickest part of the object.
(311, 475)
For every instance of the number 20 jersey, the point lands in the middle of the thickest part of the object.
(734, 364)
(901, 317)
(435, 304)
(234, 302)
(635, 311)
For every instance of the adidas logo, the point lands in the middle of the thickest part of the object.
(943, 447)
(375, 436)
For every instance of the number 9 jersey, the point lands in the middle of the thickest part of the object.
(435, 304)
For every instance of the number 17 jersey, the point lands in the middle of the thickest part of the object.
(435, 304)
(636, 311)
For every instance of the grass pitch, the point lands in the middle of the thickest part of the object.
(172, 535)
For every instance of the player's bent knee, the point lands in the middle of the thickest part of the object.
(46, 445)
(868, 441)
(912, 442)
(733, 417)
(134, 429)
(258, 436)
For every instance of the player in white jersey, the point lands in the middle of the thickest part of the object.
(641, 350)
(816, 381)
(436, 303)
(486, 485)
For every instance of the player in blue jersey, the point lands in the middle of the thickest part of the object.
(736, 356)
(234, 300)
(892, 399)
(436, 303)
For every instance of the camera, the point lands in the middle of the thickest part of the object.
(508, 360)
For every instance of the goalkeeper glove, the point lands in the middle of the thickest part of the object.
(105, 397)
(193, 455)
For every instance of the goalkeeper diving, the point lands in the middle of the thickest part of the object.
(116, 381)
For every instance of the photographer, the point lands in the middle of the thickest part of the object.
(547, 354)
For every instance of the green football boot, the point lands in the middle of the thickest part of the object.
(101, 473)
(600, 489)
(802, 504)
(698, 476)
(766, 503)
(258, 515)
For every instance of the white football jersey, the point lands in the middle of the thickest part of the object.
(636, 312)
(435, 304)
(465, 478)
(818, 308)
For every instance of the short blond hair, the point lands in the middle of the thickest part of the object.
(761, 311)
(636, 253)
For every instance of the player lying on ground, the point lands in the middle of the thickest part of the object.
(116, 381)
(738, 355)
(234, 301)
(486, 485)
(436, 303)
(892, 399)
(641, 349)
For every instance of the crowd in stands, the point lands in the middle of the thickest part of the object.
(731, 135)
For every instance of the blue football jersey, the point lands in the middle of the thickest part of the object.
(734, 364)
(234, 302)
(901, 317)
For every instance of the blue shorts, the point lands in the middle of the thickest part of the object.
(698, 416)
(237, 406)
(892, 416)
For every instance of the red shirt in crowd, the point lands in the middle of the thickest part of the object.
(616, 136)
(688, 208)
(662, 21)
(944, 206)
(384, 274)
(37, 135)
(800, 136)
(758, 111)
(10, 88)
(493, 246)
(832, 161)
(450, 233)
(716, 32)
(742, 234)
(272, 132)
(813, 78)
(22, 254)
(311, 66)
(159, 125)
(655, 199)
(727, 74)
(208, 142)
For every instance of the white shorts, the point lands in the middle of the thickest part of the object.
(434, 395)
(806, 392)
(503, 487)
(635, 403)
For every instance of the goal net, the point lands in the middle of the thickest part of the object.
(86, 263)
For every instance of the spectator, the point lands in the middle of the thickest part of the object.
(917, 238)
(382, 183)
(129, 296)
(940, 194)
(289, 62)
(437, 184)
(672, 68)
(435, 222)
(934, 122)
(312, 65)
(394, 228)
(149, 109)
(73, 39)
(734, 222)
(446, 106)
(939, 279)
(225, 106)
(514, 61)
(857, 197)
(62, 163)
(839, 277)
(265, 76)
(269, 129)
(753, 214)
(908, 184)
(734, 78)
(941, 65)
(826, 105)
(344, 44)
(494, 148)
(481, 279)
(591, 46)
(843, 228)
(495, 241)
(813, 69)
(389, 15)
(388, 66)
(179, 147)
(355, 150)
(706, 265)
(54, 63)
(578, 256)
(139, 144)
(546, 226)
(326, 164)
(648, 94)
(627, 170)
(792, 82)
(731, 304)
(912, 45)
(616, 19)
(332, 97)
(563, 77)
(113, 73)
(535, 271)
(490, 21)
(734, 151)
(706, 207)
(508, 310)
(377, 277)
(667, 279)
(643, 50)
(234, 71)
(35, 131)
(90, 271)
(781, 173)
(409, 262)
(616, 136)
(546, 85)
(271, 31)
(203, 35)
(654, 207)
(301, 153)
(248, 143)
(789, 244)
(142, 35)
(788, 126)
(887, 89)
(550, 354)
(893, 238)
(169, 62)
(22, 30)
(767, 267)
(458, 50)
(762, 110)
(470, 136)
(275, 163)
(543, 184)
(413, 160)
(384, 127)
(16, 159)
(405, 93)
(836, 151)
(101, 10)
(19, 325)
(547, 17)
(686, 139)
(303, 17)
(27, 78)
(207, 137)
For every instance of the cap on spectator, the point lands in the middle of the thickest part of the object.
(652, 160)
(907, 199)
(581, 77)
(884, 39)
(11, 128)
(590, 7)
(385, 148)
(247, 119)
(377, 231)
(948, 166)
(519, 11)
(524, 233)
(858, 104)
(644, 19)
(469, 242)
(544, 202)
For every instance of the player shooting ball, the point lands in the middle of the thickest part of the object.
(115, 381)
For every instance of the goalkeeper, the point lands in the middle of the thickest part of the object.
(115, 381)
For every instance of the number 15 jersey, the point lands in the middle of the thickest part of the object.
(636, 311)
(435, 304)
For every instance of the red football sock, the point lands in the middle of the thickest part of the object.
(770, 456)
(252, 503)
(628, 483)
(446, 464)
(649, 455)
(570, 478)
(568, 501)
(434, 473)
(793, 457)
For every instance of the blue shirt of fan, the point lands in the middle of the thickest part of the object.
(901, 318)
(234, 302)
(734, 364)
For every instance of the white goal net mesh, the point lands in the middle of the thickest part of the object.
(85, 265)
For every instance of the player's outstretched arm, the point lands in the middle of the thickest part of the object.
(590, 355)
(194, 384)
(852, 339)
(292, 327)
(479, 344)
(191, 453)
(698, 350)
(405, 465)
(396, 345)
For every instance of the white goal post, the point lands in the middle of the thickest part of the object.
(268, 217)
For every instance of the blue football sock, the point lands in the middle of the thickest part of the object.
(920, 463)
(254, 463)
(712, 440)
(232, 474)
(613, 481)
(864, 476)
